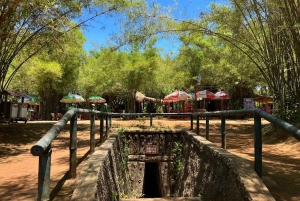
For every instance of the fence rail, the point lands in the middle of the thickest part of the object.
(43, 147)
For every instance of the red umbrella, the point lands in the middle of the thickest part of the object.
(222, 95)
(177, 96)
(205, 94)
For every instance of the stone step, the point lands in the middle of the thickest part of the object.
(164, 199)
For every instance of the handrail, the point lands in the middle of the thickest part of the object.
(293, 131)
(43, 147)
(39, 148)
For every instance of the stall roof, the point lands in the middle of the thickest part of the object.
(15, 93)
(140, 97)
(263, 99)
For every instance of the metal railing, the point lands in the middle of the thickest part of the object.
(43, 147)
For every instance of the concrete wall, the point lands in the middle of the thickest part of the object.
(208, 172)
(102, 176)
(212, 173)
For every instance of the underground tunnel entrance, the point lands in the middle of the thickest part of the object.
(152, 183)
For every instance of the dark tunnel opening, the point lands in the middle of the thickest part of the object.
(152, 181)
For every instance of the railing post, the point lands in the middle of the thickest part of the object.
(106, 126)
(110, 119)
(223, 131)
(73, 146)
(257, 145)
(192, 121)
(150, 119)
(92, 134)
(198, 125)
(207, 127)
(44, 175)
(101, 128)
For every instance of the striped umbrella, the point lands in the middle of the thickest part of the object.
(32, 100)
(205, 94)
(222, 95)
(96, 99)
(72, 98)
(177, 96)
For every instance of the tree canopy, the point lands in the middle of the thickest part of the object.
(240, 47)
(29, 27)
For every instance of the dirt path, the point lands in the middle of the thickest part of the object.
(19, 169)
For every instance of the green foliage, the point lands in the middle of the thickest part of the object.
(114, 196)
(46, 73)
(236, 47)
(268, 34)
(168, 127)
(121, 74)
(142, 120)
(219, 64)
(124, 155)
(177, 161)
(177, 153)
(32, 27)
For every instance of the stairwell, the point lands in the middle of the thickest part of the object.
(180, 166)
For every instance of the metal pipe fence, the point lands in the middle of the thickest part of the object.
(43, 147)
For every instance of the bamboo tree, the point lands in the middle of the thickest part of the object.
(268, 33)
(35, 25)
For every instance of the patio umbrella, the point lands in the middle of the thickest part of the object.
(96, 99)
(32, 100)
(72, 98)
(205, 94)
(177, 96)
(221, 95)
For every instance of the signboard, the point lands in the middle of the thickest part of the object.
(151, 149)
(248, 103)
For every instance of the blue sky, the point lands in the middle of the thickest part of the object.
(101, 29)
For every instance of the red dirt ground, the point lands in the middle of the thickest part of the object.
(19, 169)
